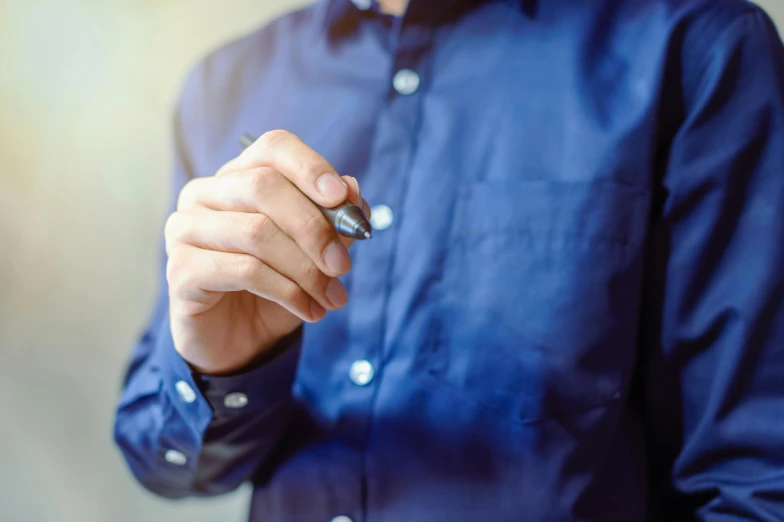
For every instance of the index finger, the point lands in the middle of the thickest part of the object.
(303, 166)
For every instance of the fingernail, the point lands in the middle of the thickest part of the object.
(317, 311)
(337, 259)
(336, 293)
(331, 187)
(356, 187)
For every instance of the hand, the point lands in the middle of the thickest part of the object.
(251, 257)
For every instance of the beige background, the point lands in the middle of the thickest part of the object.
(86, 90)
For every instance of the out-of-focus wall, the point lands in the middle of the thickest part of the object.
(86, 90)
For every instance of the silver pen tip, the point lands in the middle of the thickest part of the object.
(368, 235)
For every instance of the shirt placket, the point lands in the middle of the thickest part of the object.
(392, 152)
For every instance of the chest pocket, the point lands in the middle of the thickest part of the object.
(539, 296)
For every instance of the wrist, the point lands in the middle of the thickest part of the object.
(249, 364)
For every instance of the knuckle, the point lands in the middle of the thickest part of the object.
(312, 272)
(171, 269)
(250, 269)
(178, 274)
(316, 229)
(186, 196)
(262, 181)
(173, 229)
(259, 230)
(293, 294)
(313, 277)
(226, 168)
(185, 282)
(270, 139)
(311, 169)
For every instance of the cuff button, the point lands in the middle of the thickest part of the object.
(186, 392)
(175, 457)
(235, 401)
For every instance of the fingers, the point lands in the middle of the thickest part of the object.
(194, 274)
(300, 164)
(264, 190)
(355, 196)
(259, 236)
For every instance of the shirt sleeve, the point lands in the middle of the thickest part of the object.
(183, 434)
(714, 326)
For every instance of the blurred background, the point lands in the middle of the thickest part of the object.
(86, 93)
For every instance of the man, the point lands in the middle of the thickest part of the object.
(571, 307)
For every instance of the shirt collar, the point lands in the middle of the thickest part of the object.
(343, 15)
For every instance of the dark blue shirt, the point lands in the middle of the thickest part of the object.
(572, 306)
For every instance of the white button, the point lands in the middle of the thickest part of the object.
(361, 372)
(186, 392)
(363, 4)
(342, 518)
(406, 81)
(235, 400)
(176, 458)
(381, 217)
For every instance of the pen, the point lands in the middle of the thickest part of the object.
(347, 218)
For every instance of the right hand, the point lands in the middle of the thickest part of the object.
(251, 257)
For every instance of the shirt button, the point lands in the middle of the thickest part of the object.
(363, 5)
(381, 217)
(342, 518)
(186, 392)
(406, 81)
(175, 457)
(361, 372)
(235, 401)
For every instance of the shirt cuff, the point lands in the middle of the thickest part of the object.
(179, 386)
(257, 389)
(199, 398)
